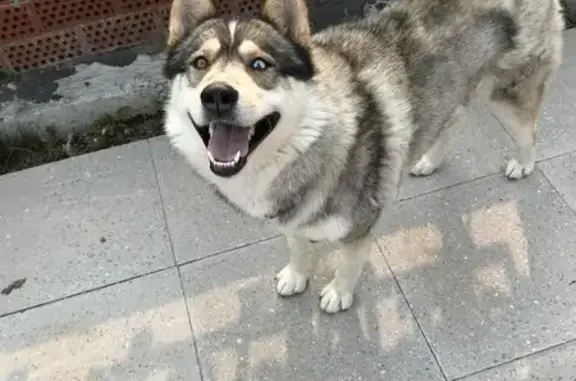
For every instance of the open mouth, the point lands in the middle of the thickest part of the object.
(228, 145)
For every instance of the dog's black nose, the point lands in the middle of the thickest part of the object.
(219, 98)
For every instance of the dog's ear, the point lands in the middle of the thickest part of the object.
(186, 15)
(290, 17)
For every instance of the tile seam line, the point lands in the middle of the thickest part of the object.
(128, 279)
(83, 292)
(485, 176)
(558, 193)
(229, 250)
(519, 358)
(477, 372)
(420, 328)
(536, 161)
(545, 159)
(175, 261)
(446, 187)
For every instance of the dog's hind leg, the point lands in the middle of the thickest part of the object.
(521, 121)
(432, 159)
(517, 107)
(293, 278)
(338, 295)
(516, 100)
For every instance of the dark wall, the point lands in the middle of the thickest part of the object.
(570, 12)
(326, 12)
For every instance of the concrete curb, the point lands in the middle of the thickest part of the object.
(74, 98)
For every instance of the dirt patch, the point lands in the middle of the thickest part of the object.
(16, 285)
(29, 150)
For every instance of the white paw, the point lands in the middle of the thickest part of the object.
(515, 170)
(424, 166)
(335, 299)
(290, 282)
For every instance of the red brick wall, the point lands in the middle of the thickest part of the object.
(43, 33)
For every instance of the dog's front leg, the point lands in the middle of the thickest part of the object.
(338, 295)
(293, 278)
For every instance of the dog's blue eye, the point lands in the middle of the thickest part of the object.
(259, 64)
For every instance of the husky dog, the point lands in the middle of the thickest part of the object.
(313, 133)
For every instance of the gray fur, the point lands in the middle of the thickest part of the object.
(383, 94)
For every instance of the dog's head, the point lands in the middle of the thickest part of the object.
(237, 73)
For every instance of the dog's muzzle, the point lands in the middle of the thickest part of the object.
(229, 145)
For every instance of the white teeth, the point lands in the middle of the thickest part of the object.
(211, 157)
(211, 129)
(252, 130)
(224, 163)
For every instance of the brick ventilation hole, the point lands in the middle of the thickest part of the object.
(242, 7)
(44, 33)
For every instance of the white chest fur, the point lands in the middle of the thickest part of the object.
(249, 189)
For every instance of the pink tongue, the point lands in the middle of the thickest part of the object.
(228, 139)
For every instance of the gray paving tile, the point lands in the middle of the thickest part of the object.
(43, 185)
(558, 116)
(119, 171)
(108, 229)
(561, 172)
(200, 222)
(570, 47)
(108, 173)
(487, 268)
(245, 331)
(552, 365)
(479, 148)
(137, 330)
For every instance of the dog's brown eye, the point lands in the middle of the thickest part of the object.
(259, 64)
(200, 63)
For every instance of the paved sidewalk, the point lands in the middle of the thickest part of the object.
(134, 270)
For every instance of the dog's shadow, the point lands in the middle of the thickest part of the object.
(463, 269)
(277, 338)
